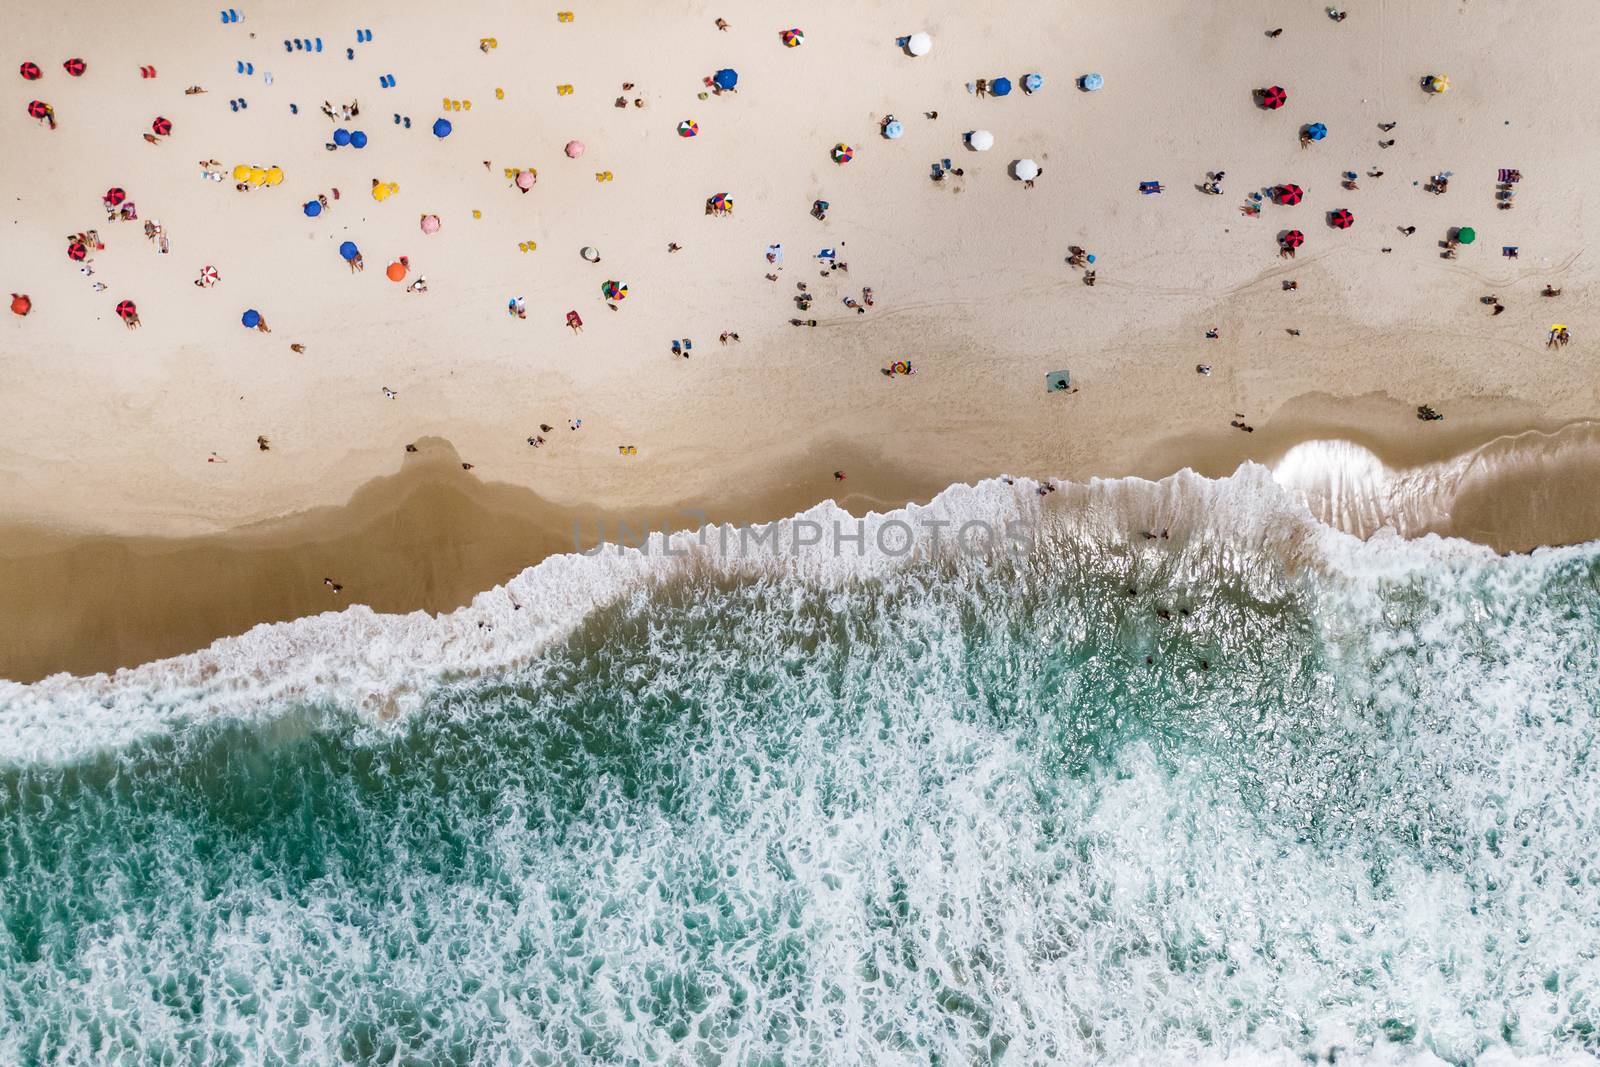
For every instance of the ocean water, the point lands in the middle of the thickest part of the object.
(1256, 792)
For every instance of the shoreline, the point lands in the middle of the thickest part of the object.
(431, 536)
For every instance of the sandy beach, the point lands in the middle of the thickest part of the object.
(123, 540)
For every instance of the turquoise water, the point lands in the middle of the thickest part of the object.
(961, 812)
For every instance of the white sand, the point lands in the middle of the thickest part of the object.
(107, 429)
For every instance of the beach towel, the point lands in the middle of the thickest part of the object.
(1509, 175)
(826, 253)
(775, 254)
(1058, 381)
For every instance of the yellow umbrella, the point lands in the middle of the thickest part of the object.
(275, 176)
(382, 191)
(1439, 83)
(241, 173)
(258, 175)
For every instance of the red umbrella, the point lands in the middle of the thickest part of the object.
(1293, 239)
(20, 304)
(115, 196)
(75, 67)
(38, 109)
(126, 309)
(161, 126)
(1273, 97)
(1288, 194)
(1341, 219)
(78, 251)
(31, 71)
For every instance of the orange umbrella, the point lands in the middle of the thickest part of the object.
(20, 305)
(397, 271)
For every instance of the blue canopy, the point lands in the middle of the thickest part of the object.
(349, 250)
(1032, 82)
(1091, 82)
(341, 137)
(1316, 131)
(726, 78)
(251, 318)
(893, 130)
(358, 139)
(313, 209)
(441, 128)
(1000, 87)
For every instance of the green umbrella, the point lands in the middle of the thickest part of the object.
(1466, 235)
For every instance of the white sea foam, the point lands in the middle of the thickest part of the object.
(388, 664)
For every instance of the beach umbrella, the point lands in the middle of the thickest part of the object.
(258, 175)
(396, 271)
(1032, 82)
(75, 67)
(441, 128)
(1466, 235)
(525, 179)
(1092, 83)
(614, 290)
(161, 127)
(430, 224)
(1438, 83)
(721, 201)
(127, 309)
(31, 71)
(274, 176)
(688, 128)
(843, 153)
(575, 149)
(1025, 169)
(349, 251)
(358, 139)
(1000, 87)
(241, 173)
(38, 109)
(590, 254)
(726, 78)
(115, 196)
(1273, 97)
(1288, 194)
(251, 318)
(919, 44)
(982, 140)
(1316, 131)
(312, 209)
(1341, 219)
(77, 251)
(793, 38)
(384, 190)
(1293, 239)
(893, 130)
(341, 137)
(209, 274)
(20, 305)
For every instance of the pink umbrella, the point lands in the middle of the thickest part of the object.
(574, 149)
(525, 179)
(430, 224)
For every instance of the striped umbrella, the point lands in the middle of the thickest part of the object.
(614, 290)
(793, 38)
(209, 275)
(38, 109)
(1341, 219)
(843, 153)
(31, 71)
(115, 196)
(1273, 97)
(77, 251)
(1288, 194)
(1293, 239)
(126, 310)
(161, 127)
(688, 128)
(75, 67)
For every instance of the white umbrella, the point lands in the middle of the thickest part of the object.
(1025, 169)
(919, 44)
(982, 140)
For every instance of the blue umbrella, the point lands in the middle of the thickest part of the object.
(441, 128)
(1032, 82)
(358, 139)
(349, 250)
(1000, 87)
(313, 209)
(341, 137)
(726, 78)
(1316, 131)
(251, 318)
(893, 130)
(1091, 83)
